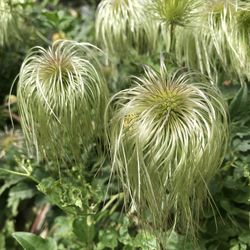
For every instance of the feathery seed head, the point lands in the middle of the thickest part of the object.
(9, 22)
(217, 6)
(217, 41)
(124, 24)
(175, 12)
(167, 138)
(6, 18)
(243, 20)
(61, 98)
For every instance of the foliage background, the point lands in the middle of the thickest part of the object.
(81, 214)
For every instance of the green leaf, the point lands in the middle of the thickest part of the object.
(64, 194)
(7, 185)
(244, 146)
(62, 228)
(107, 238)
(2, 242)
(145, 240)
(31, 241)
(245, 238)
(239, 101)
(235, 247)
(84, 229)
(125, 237)
(19, 192)
(175, 241)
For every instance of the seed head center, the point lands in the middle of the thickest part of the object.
(170, 101)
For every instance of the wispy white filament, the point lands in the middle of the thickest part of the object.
(125, 24)
(61, 99)
(8, 22)
(167, 137)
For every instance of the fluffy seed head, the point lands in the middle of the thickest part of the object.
(174, 16)
(217, 40)
(242, 37)
(228, 30)
(61, 98)
(8, 16)
(175, 12)
(124, 24)
(167, 138)
(243, 20)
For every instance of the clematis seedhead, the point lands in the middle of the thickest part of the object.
(122, 25)
(8, 20)
(61, 96)
(168, 136)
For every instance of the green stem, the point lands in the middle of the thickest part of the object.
(112, 199)
(172, 45)
(20, 174)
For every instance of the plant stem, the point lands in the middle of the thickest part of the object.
(172, 28)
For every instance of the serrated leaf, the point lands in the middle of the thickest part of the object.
(239, 101)
(7, 185)
(31, 241)
(84, 229)
(241, 196)
(235, 247)
(107, 238)
(17, 193)
(63, 193)
(124, 236)
(245, 238)
(244, 146)
(145, 240)
(62, 227)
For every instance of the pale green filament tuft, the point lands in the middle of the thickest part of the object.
(167, 136)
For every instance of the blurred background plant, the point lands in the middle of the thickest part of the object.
(79, 213)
